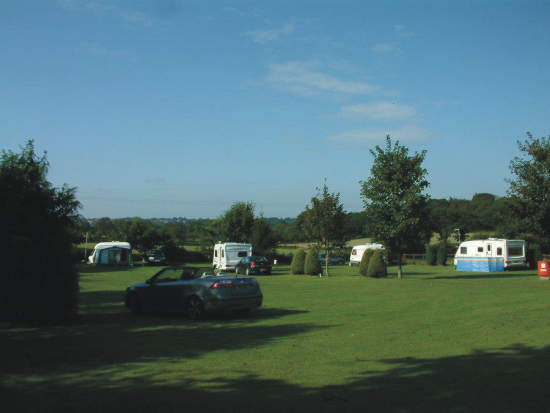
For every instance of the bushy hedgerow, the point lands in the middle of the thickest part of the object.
(312, 265)
(298, 262)
(377, 266)
(442, 254)
(364, 265)
(431, 254)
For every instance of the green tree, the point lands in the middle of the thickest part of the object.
(530, 188)
(142, 235)
(39, 272)
(394, 198)
(312, 265)
(431, 254)
(377, 266)
(364, 264)
(262, 238)
(442, 253)
(324, 222)
(298, 261)
(236, 224)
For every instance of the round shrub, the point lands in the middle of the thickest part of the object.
(312, 265)
(377, 267)
(298, 262)
(442, 254)
(364, 265)
(431, 254)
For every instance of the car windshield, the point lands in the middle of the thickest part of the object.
(175, 274)
(258, 258)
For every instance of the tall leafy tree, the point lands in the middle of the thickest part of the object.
(236, 224)
(394, 198)
(39, 272)
(262, 237)
(530, 188)
(323, 221)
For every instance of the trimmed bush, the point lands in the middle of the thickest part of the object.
(431, 254)
(364, 265)
(312, 265)
(377, 267)
(442, 254)
(298, 262)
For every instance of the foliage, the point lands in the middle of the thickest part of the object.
(298, 261)
(530, 189)
(431, 254)
(533, 254)
(394, 198)
(262, 238)
(312, 264)
(442, 253)
(236, 224)
(39, 275)
(377, 266)
(323, 222)
(364, 264)
(142, 235)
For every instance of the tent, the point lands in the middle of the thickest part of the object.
(112, 253)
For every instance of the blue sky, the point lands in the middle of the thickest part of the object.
(180, 108)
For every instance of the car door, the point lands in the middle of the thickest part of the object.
(163, 290)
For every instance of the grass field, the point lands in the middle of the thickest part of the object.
(435, 341)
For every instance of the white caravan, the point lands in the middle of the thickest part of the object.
(358, 250)
(490, 255)
(228, 254)
(112, 253)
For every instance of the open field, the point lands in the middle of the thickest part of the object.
(435, 341)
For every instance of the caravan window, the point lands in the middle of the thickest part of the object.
(215, 253)
(463, 250)
(515, 251)
(479, 249)
(242, 254)
(499, 251)
(353, 252)
(223, 254)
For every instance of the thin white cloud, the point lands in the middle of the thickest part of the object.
(266, 36)
(386, 48)
(381, 111)
(402, 31)
(100, 8)
(303, 79)
(407, 133)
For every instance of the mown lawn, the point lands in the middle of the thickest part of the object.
(437, 340)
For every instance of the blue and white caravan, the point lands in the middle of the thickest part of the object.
(490, 255)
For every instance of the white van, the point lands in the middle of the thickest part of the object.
(358, 250)
(228, 254)
(489, 255)
(112, 253)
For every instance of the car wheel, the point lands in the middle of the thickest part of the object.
(195, 309)
(133, 303)
(248, 271)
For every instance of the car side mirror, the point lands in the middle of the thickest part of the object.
(149, 281)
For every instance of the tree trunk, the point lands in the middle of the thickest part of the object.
(399, 269)
(326, 262)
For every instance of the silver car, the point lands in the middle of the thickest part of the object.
(187, 289)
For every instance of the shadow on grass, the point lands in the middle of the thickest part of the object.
(93, 269)
(511, 379)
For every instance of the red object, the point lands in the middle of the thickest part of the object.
(544, 268)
